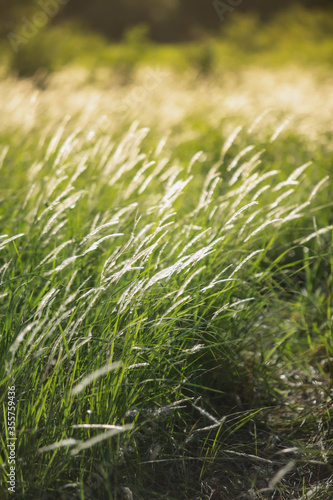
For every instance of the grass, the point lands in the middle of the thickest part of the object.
(166, 284)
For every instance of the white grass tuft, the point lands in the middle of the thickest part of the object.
(94, 376)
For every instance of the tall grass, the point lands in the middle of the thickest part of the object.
(166, 293)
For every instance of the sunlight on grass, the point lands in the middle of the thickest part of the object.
(165, 269)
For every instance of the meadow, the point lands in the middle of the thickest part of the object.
(166, 281)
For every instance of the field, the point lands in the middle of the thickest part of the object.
(166, 283)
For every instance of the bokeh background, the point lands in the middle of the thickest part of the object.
(44, 35)
(166, 20)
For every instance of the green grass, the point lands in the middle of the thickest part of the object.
(183, 299)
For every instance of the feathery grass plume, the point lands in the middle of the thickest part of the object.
(60, 444)
(95, 245)
(100, 438)
(159, 168)
(252, 254)
(260, 191)
(229, 141)
(188, 281)
(279, 130)
(134, 184)
(53, 254)
(249, 184)
(46, 300)
(199, 155)
(94, 376)
(172, 193)
(174, 306)
(3, 155)
(281, 198)
(260, 228)
(246, 168)
(249, 220)
(55, 140)
(8, 240)
(16, 344)
(294, 214)
(317, 187)
(63, 265)
(258, 120)
(4, 268)
(324, 230)
(68, 204)
(238, 157)
(240, 211)
(229, 306)
(292, 179)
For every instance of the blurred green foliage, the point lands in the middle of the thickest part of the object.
(293, 36)
(168, 20)
(53, 48)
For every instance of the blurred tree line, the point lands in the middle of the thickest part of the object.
(166, 20)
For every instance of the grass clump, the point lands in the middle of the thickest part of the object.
(166, 294)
